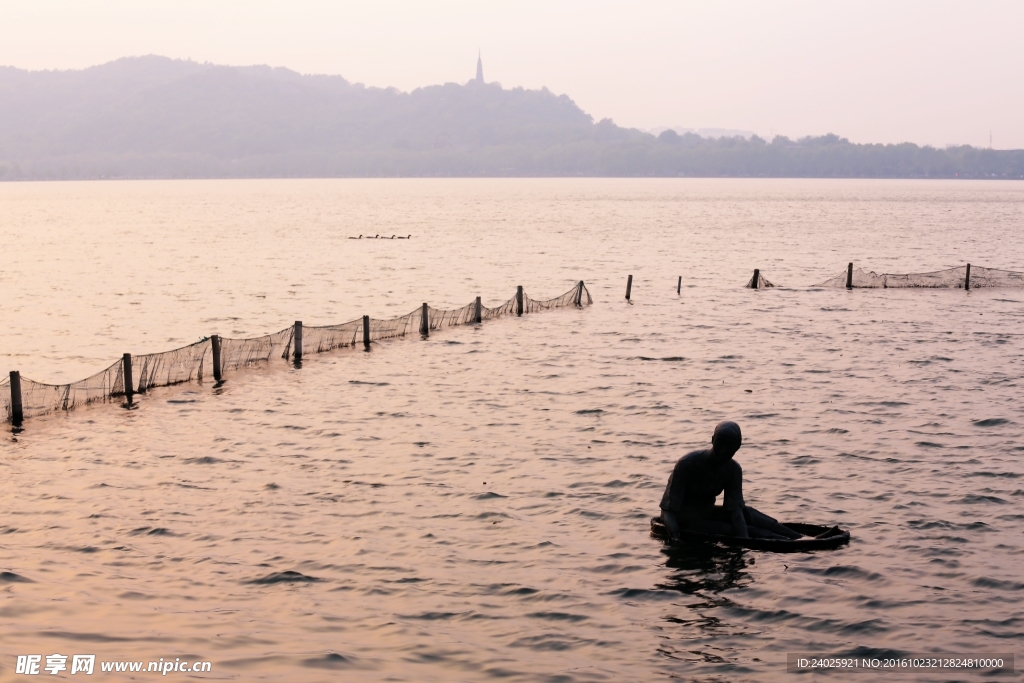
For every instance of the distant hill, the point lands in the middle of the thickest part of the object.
(153, 117)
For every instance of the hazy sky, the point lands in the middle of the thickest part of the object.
(926, 71)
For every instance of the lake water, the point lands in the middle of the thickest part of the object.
(475, 506)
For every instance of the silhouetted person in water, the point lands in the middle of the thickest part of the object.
(698, 478)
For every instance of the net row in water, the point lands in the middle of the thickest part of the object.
(758, 281)
(195, 362)
(962, 277)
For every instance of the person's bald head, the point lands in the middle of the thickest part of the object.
(727, 439)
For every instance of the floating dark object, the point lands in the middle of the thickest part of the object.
(287, 576)
(816, 537)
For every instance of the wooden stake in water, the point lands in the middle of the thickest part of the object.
(849, 276)
(425, 321)
(757, 277)
(679, 286)
(967, 278)
(519, 300)
(297, 338)
(126, 375)
(629, 286)
(215, 347)
(579, 294)
(17, 410)
(478, 311)
(366, 333)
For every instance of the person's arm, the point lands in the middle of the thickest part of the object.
(733, 503)
(671, 523)
(672, 500)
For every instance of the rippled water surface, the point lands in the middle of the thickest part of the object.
(475, 506)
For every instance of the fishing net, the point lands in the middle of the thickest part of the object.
(993, 277)
(38, 398)
(758, 281)
(330, 337)
(577, 296)
(5, 398)
(236, 354)
(194, 362)
(316, 339)
(952, 278)
(170, 367)
(395, 327)
(440, 319)
(507, 308)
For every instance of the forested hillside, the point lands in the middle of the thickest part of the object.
(153, 117)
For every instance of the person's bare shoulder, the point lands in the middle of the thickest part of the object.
(734, 470)
(693, 459)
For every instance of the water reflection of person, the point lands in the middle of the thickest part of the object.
(699, 477)
(705, 569)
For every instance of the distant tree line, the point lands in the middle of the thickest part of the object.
(153, 117)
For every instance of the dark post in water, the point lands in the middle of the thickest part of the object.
(757, 277)
(126, 375)
(579, 294)
(478, 311)
(967, 278)
(17, 410)
(425, 321)
(297, 338)
(849, 276)
(629, 286)
(679, 286)
(519, 300)
(215, 346)
(366, 332)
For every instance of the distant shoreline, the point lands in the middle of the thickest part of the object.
(638, 156)
(14, 181)
(158, 118)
